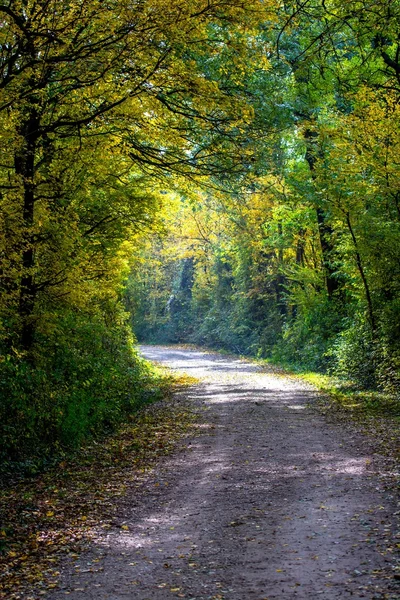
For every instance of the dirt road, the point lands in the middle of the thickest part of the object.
(269, 502)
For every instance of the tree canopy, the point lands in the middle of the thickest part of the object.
(300, 260)
(227, 172)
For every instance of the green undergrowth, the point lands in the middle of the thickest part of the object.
(86, 380)
(349, 398)
(345, 395)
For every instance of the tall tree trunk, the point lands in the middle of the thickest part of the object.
(280, 279)
(327, 248)
(325, 230)
(361, 270)
(25, 167)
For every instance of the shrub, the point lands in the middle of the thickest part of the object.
(355, 354)
(307, 339)
(86, 380)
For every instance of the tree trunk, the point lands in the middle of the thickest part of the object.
(325, 230)
(25, 168)
(280, 279)
(361, 270)
(327, 248)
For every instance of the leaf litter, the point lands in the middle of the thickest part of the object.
(55, 514)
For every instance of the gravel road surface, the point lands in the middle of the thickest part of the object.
(269, 501)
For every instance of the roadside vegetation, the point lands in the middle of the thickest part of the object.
(213, 172)
(217, 173)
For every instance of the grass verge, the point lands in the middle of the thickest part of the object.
(374, 413)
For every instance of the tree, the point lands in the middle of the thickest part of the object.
(315, 251)
(92, 94)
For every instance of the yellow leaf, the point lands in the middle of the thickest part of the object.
(125, 527)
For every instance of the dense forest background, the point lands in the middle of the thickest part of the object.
(299, 259)
(210, 171)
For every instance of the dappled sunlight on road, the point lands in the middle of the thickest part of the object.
(266, 501)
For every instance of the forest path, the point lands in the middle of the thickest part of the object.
(269, 502)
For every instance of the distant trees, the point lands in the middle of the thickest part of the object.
(301, 260)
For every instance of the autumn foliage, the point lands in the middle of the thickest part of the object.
(299, 260)
(102, 105)
(238, 162)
